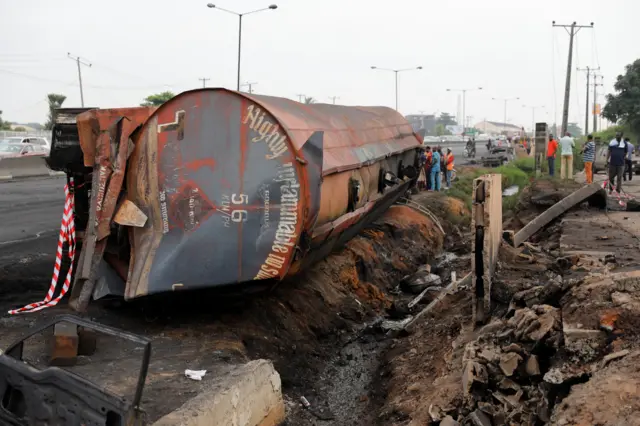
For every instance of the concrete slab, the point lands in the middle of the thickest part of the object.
(246, 395)
(486, 222)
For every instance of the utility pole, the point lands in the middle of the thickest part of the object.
(301, 97)
(572, 30)
(250, 85)
(204, 81)
(586, 118)
(333, 98)
(595, 101)
(78, 61)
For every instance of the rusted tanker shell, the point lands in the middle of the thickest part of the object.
(239, 187)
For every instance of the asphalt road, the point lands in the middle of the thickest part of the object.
(30, 209)
(30, 215)
(458, 151)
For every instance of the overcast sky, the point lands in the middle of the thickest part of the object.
(318, 48)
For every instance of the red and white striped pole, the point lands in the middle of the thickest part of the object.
(68, 235)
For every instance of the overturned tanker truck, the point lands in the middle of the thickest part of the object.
(217, 187)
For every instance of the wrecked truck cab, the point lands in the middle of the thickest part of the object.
(218, 187)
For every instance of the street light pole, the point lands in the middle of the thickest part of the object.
(396, 75)
(533, 117)
(464, 105)
(240, 15)
(505, 107)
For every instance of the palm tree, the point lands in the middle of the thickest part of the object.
(55, 101)
(309, 100)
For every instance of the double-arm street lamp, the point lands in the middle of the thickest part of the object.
(464, 104)
(396, 73)
(240, 15)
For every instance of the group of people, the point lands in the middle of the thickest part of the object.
(433, 163)
(566, 145)
(619, 158)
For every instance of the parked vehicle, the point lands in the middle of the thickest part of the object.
(21, 149)
(34, 140)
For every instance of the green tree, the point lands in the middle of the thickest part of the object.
(55, 101)
(19, 129)
(441, 130)
(309, 100)
(624, 106)
(574, 129)
(157, 99)
(3, 124)
(446, 120)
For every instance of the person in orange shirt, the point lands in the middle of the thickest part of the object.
(552, 147)
(449, 164)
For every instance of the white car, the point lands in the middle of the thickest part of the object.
(21, 149)
(34, 140)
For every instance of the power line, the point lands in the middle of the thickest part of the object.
(32, 77)
(595, 47)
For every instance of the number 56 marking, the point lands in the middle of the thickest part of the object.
(239, 215)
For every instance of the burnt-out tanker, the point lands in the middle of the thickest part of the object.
(217, 187)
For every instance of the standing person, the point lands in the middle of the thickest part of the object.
(616, 156)
(449, 162)
(566, 156)
(427, 166)
(435, 171)
(552, 147)
(589, 156)
(628, 160)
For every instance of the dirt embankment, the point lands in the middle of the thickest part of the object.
(562, 348)
(321, 329)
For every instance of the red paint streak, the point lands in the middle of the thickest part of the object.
(244, 134)
(199, 163)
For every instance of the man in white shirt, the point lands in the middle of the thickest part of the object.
(566, 156)
(628, 161)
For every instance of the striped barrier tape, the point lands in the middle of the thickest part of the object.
(68, 235)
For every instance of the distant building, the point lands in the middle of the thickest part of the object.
(496, 128)
(424, 125)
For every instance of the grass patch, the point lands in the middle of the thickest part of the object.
(517, 173)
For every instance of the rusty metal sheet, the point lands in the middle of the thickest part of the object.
(92, 123)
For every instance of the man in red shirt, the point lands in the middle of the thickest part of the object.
(552, 147)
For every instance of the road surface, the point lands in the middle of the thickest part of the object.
(458, 151)
(30, 215)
